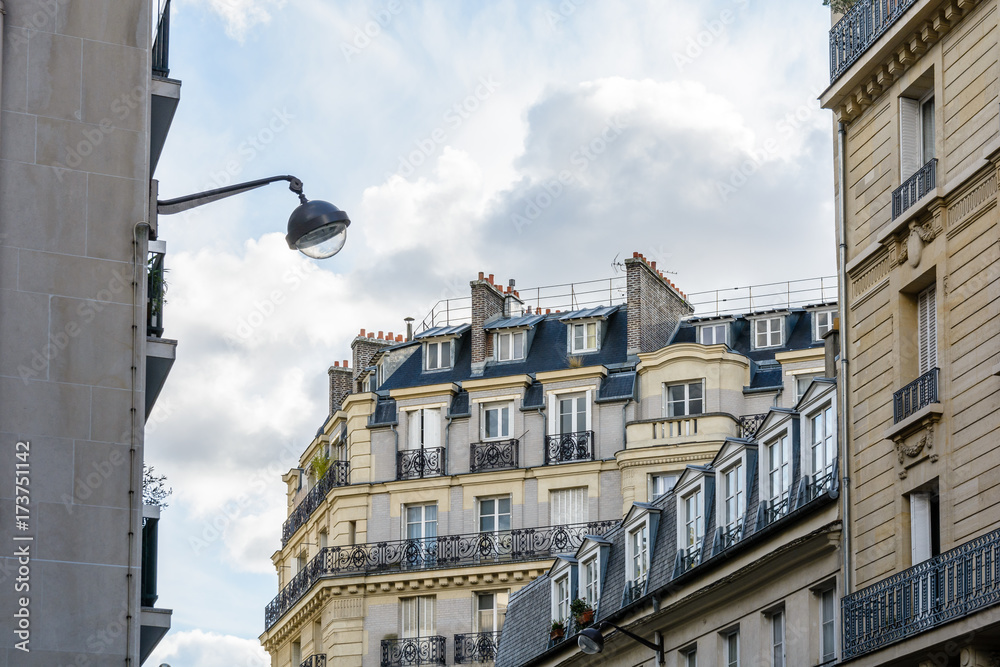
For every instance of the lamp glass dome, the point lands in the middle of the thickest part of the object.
(323, 242)
(317, 229)
(590, 641)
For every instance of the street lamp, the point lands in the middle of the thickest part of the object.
(590, 640)
(316, 228)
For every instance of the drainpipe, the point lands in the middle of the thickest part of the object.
(2, 13)
(624, 424)
(842, 381)
(447, 434)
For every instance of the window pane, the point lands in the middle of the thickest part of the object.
(504, 422)
(432, 356)
(591, 335)
(518, 342)
(578, 336)
(503, 343)
(503, 505)
(491, 423)
(446, 354)
(927, 129)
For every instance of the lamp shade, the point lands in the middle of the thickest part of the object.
(317, 229)
(590, 641)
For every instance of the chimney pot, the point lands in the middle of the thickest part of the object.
(635, 254)
(371, 334)
(390, 336)
(399, 338)
(480, 275)
(362, 333)
(336, 364)
(345, 363)
(652, 265)
(548, 310)
(491, 279)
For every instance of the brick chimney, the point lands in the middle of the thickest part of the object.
(341, 384)
(655, 306)
(364, 348)
(487, 302)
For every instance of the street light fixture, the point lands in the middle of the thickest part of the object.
(590, 640)
(316, 228)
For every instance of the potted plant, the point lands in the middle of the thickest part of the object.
(582, 612)
(558, 630)
(320, 465)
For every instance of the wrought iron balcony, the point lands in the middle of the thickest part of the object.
(337, 475)
(161, 43)
(419, 463)
(496, 455)
(413, 651)
(315, 660)
(147, 583)
(443, 551)
(476, 647)
(861, 27)
(820, 483)
(156, 290)
(633, 590)
(955, 584)
(778, 507)
(568, 447)
(750, 423)
(913, 188)
(689, 558)
(730, 535)
(918, 394)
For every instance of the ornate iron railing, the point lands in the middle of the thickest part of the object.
(156, 289)
(337, 475)
(633, 590)
(913, 188)
(750, 423)
(861, 27)
(493, 455)
(568, 447)
(819, 483)
(730, 535)
(161, 44)
(413, 651)
(918, 394)
(520, 544)
(952, 585)
(476, 647)
(315, 660)
(690, 557)
(418, 463)
(778, 507)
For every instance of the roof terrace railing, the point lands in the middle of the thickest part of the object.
(859, 28)
(337, 475)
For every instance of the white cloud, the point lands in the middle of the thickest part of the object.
(241, 16)
(196, 648)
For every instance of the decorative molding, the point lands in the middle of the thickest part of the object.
(878, 268)
(968, 208)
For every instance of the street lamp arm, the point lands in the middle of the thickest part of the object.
(187, 202)
(645, 642)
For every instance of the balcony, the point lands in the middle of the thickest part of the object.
(913, 188)
(952, 585)
(820, 483)
(337, 475)
(861, 27)
(498, 455)
(688, 558)
(154, 622)
(633, 590)
(569, 447)
(776, 508)
(749, 424)
(413, 651)
(729, 535)
(476, 647)
(918, 394)
(315, 660)
(443, 551)
(420, 463)
(708, 427)
(161, 42)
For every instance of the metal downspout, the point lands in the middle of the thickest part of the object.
(843, 380)
(3, 12)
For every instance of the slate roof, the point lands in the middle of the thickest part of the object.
(534, 397)
(798, 328)
(597, 311)
(385, 413)
(617, 387)
(446, 330)
(514, 322)
(459, 405)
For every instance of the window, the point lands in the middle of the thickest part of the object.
(592, 582)
(496, 421)
(421, 521)
(296, 652)
(560, 601)
(661, 485)
(423, 428)
(685, 399)
(827, 609)
(713, 334)
(510, 346)
(732, 649)
(638, 553)
(437, 355)
(694, 521)
(300, 562)
(491, 609)
(778, 639)
(916, 134)
(924, 535)
(768, 332)
(417, 616)
(779, 470)
(734, 501)
(494, 514)
(568, 506)
(802, 383)
(927, 329)
(323, 539)
(822, 429)
(822, 322)
(690, 657)
(572, 413)
(584, 337)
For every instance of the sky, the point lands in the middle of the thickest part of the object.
(533, 140)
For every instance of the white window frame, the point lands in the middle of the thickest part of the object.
(426, 433)
(739, 497)
(690, 488)
(498, 615)
(590, 580)
(585, 347)
(808, 378)
(434, 360)
(569, 491)
(728, 659)
(423, 521)
(560, 603)
(497, 514)
(712, 332)
(826, 656)
(917, 148)
(557, 414)
(777, 624)
(777, 437)
(637, 555)
(653, 477)
(504, 348)
(768, 332)
(690, 654)
(817, 315)
(425, 609)
(828, 443)
(688, 400)
(501, 407)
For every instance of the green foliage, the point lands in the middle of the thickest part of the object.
(557, 626)
(578, 606)
(839, 6)
(154, 488)
(319, 465)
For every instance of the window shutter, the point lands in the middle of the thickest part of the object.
(432, 428)
(927, 329)
(920, 527)
(909, 135)
(568, 506)
(587, 407)
(413, 429)
(553, 415)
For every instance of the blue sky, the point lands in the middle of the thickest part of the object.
(687, 130)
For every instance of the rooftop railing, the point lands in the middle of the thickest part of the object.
(952, 585)
(918, 394)
(913, 188)
(337, 475)
(750, 423)
(161, 42)
(859, 28)
(443, 551)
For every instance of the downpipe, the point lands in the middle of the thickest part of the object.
(844, 379)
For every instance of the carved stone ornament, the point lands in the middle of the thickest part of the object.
(913, 451)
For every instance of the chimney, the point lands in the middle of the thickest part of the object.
(364, 348)
(341, 384)
(409, 328)
(655, 306)
(487, 302)
(831, 349)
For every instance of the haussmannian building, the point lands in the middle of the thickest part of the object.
(460, 462)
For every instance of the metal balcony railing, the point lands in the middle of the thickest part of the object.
(147, 584)
(337, 475)
(820, 483)
(419, 463)
(918, 394)
(161, 43)
(476, 647)
(913, 188)
(690, 557)
(315, 660)
(778, 507)
(730, 535)
(953, 585)
(568, 447)
(750, 423)
(633, 590)
(496, 455)
(413, 651)
(156, 290)
(861, 27)
(443, 551)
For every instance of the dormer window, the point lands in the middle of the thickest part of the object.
(510, 345)
(438, 355)
(592, 581)
(822, 323)
(584, 337)
(733, 497)
(713, 334)
(560, 598)
(778, 459)
(768, 332)
(638, 554)
(694, 521)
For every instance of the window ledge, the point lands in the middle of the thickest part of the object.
(996, 369)
(928, 413)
